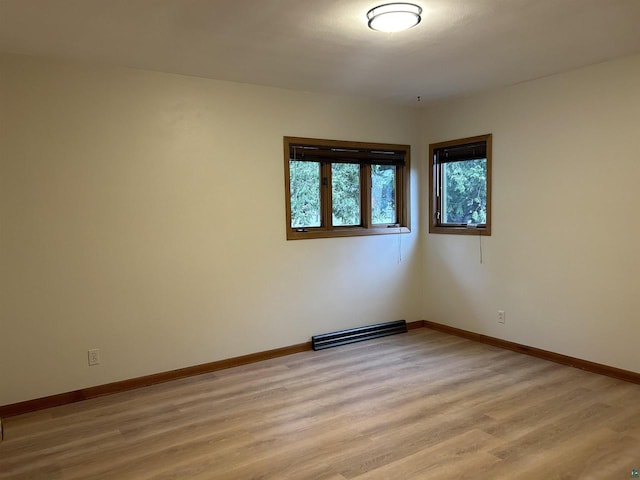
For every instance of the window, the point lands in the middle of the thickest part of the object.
(339, 189)
(460, 186)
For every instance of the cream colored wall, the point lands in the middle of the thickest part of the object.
(142, 213)
(563, 260)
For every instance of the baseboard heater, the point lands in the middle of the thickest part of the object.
(328, 340)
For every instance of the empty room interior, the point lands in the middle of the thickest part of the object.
(195, 195)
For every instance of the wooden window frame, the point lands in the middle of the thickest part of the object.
(435, 178)
(362, 153)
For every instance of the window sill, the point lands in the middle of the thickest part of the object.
(345, 232)
(461, 230)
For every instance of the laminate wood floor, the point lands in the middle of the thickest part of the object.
(422, 405)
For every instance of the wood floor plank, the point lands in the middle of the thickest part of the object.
(423, 405)
(422, 464)
(600, 455)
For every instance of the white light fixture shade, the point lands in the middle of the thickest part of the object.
(394, 17)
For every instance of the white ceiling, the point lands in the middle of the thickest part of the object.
(461, 46)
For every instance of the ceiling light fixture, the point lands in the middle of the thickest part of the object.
(394, 17)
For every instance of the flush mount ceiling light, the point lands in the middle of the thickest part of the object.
(394, 17)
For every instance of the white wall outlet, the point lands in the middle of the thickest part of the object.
(94, 357)
(501, 317)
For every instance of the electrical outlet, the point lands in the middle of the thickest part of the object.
(94, 357)
(501, 317)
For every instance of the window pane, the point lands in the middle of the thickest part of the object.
(383, 194)
(345, 193)
(305, 193)
(464, 196)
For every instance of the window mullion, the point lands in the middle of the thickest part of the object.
(326, 197)
(438, 212)
(400, 187)
(365, 195)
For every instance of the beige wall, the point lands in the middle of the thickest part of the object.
(564, 257)
(143, 214)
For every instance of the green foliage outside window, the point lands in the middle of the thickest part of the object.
(345, 195)
(465, 192)
(305, 193)
(383, 194)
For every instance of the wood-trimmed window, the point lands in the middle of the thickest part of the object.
(460, 186)
(339, 189)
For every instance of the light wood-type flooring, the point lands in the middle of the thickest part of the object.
(422, 405)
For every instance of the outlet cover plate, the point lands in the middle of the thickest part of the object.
(94, 357)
